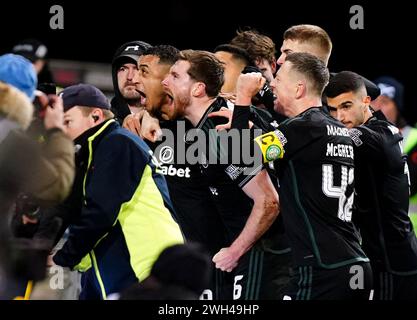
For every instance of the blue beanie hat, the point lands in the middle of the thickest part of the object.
(18, 72)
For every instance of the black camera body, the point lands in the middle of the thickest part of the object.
(29, 258)
(41, 102)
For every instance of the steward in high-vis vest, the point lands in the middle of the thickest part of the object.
(126, 217)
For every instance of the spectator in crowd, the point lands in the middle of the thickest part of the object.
(37, 53)
(46, 180)
(33, 50)
(124, 71)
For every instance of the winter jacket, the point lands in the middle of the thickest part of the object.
(126, 217)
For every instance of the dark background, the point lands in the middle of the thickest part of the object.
(93, 31)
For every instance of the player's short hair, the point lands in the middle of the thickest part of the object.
(311, 34)
(343, 82)
(206, 68)
(167, 54)
(312, 68)
(258, 46)
(236, 52)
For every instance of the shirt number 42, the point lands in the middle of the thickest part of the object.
(330, 190)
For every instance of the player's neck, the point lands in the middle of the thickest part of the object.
(368, 115)
(195, 111)
(306, 103)
(133, 103)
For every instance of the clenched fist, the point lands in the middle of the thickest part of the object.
(248, 85)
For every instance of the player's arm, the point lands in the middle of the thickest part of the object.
(248, 85)
(265, 209)
(271, 144)
(143, 125)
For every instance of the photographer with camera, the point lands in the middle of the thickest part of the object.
(46, 178)
(28, 213)
(54, 176)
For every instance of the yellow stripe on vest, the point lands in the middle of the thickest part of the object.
(147, 225)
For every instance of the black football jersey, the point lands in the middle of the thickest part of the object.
(382, 196)
(195, 210)
(225, 180)
(315, 165)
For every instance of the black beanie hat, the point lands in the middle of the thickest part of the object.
(186, 265)
(130, 51)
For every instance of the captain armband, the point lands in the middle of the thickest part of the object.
(272, 145)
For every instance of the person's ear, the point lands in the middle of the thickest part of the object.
(300, 89)
(95, 115)
(367, 100)
(274, 67)
(198, 89)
